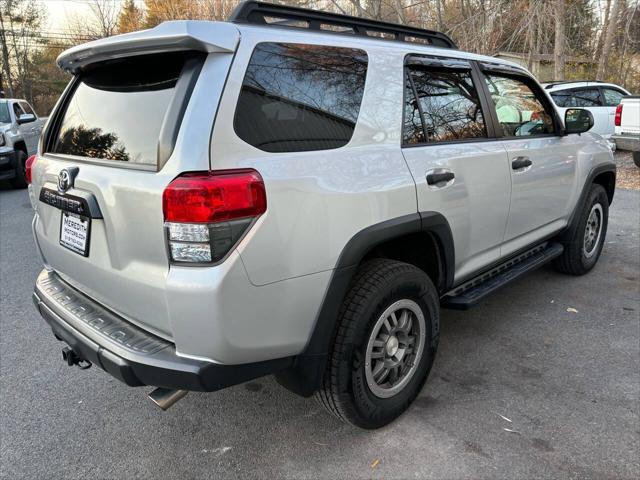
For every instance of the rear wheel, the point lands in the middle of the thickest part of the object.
(636, 158)
(20, 180)
(384, 346)
(582, 251)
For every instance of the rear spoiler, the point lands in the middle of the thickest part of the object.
(170, 36)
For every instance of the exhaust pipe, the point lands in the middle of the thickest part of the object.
(165, 398)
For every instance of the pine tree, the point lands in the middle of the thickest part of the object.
(131, 18)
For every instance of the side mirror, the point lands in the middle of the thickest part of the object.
(26, 118)
(577, 120)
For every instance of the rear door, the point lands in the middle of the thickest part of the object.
(542, 163)
(112, 146)
(460, 171)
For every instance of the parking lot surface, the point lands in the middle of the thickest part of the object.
(521, 388)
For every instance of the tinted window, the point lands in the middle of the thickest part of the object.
(612, 97)
(117, 109)
(563, 99)
(300, 97)
(520, 112)
(586, 97)
(449, 105)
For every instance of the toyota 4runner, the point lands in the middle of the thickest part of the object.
(298, 193)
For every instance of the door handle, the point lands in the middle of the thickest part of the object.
(521, 162)
(435, 178)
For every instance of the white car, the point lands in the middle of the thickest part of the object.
(600, 98)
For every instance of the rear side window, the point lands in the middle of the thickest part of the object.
(441, 106)
(117, 109)
(583, 97)
(299, 97)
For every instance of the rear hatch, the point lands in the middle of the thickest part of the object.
(124, 129)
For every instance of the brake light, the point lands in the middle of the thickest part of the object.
(206, 213)
(28, 166)
(618, 119)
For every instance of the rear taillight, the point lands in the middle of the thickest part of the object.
(618, 119)
(206, 213)
(28, 166)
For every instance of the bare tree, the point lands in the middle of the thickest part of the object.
(608, 39)
(558, 49)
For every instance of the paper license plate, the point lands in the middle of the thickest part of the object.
(74, 233)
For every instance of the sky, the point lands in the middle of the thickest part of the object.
(59, 10)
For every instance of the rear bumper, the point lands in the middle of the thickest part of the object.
(129, 353)
(627, 142)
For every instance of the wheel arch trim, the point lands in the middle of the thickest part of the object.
(306, 374)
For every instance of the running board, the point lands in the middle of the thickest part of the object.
(469, 293)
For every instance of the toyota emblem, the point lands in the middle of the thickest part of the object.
(66, 178)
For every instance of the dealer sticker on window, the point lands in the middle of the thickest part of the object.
(74, 233)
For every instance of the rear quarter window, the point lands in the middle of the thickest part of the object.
(299, 97)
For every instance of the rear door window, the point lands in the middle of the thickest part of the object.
(441, 105)
(299, 97)
(116, 109)
(586, 97)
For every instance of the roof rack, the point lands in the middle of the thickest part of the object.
(553, 83)
(284, 16)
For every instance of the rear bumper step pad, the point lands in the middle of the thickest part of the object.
(126, 351)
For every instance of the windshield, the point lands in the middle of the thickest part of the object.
(4, 113)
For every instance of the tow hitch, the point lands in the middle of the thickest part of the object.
(72, 358)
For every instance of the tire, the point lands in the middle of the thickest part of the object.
(636, 158)
(380, 285)
(20, 181)
(580, 255)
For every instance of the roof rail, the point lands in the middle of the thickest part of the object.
(553, 83)
(284, 16)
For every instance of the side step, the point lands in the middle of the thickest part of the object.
(469, 293)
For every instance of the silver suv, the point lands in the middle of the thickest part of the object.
(298, 193)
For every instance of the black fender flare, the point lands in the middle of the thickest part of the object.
(305, 376)
(608, 167)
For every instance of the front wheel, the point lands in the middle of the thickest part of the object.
(384, 346)
(20, 179)
(582, 251)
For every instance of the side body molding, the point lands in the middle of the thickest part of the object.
(306, 374)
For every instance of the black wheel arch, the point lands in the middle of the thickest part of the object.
(604, 175)
(21, 146)
(305, 376)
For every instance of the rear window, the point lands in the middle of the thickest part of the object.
(117, 109)
(300, 97)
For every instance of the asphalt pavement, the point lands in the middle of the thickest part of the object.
(521, 388)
